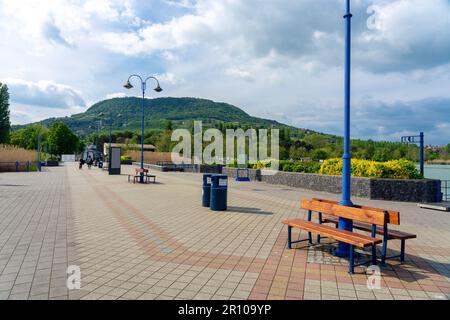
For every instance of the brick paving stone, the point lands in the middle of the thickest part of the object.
(174, 248)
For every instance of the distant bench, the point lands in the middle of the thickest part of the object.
(394, 218)
(15, 166)
(137, 175)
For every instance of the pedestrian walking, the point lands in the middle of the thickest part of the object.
(81, 163)
(89, 162)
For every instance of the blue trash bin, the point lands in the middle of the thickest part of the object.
(206, 192)
(219, 190)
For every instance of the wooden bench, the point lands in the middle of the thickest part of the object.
(394, 218)
(137, 175)
(375, 218)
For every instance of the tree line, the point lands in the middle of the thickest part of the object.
(58, 139)
(293, 145)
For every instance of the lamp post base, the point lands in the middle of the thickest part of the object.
(343, 249)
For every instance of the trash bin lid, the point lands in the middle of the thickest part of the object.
(207, 178)
(220, 180)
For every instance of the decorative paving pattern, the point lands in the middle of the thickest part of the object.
(157, 242)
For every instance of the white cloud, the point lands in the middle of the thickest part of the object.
(302, 29)
(181, 3)
(169, 78)
(280, 59)
(408, 34)
(115, 95)
(239, 73)
(43, 94)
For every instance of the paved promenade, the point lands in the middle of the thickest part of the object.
(157, 242)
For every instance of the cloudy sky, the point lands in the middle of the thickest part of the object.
(277, 59)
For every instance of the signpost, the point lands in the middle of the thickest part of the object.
(420, 140)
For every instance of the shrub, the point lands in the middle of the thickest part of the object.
(402, 169)
(319, 154)
(395, 169)
(9, 153)
(263, 164)
(125, 158)
(300, 166)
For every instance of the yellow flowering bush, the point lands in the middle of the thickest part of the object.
(395, 169)
(261, 165)
(332, 167)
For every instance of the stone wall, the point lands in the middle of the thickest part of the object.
(377, 189)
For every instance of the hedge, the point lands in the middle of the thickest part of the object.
(395, 169)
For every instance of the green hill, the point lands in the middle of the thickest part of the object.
(295, 143)
(126, 114)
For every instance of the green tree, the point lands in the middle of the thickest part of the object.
(62, 140)
(285, 142)
(27, 137)
(5, 124)
(320, 155)
(164, 142)
(169, 125)
(317, 140)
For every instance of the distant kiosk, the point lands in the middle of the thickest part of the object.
(114, 161)
(243, 174)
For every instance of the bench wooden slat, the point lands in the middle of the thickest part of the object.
(337, 234)
(394, 216)
(393, 234)
(357, 214)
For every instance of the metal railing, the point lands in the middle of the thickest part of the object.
(445, 187)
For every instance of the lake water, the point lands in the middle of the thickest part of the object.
(441, 172)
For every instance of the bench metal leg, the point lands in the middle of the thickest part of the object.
(289, 237)
(384, 252)
(309, 233)
(385, 243)
(374, 255)
(321, 222)
(351, 269)
(310, 238)
(402, 251)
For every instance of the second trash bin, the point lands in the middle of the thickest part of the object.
(219, 189)
(206, 192)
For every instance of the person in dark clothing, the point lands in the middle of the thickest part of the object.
(89, 162)
(81, 163)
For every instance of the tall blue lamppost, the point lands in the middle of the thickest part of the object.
(99, 123)
(39, 149)
(96, 127)
(128, 85)
(346, 224)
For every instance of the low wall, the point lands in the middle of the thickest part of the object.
(377, 189)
